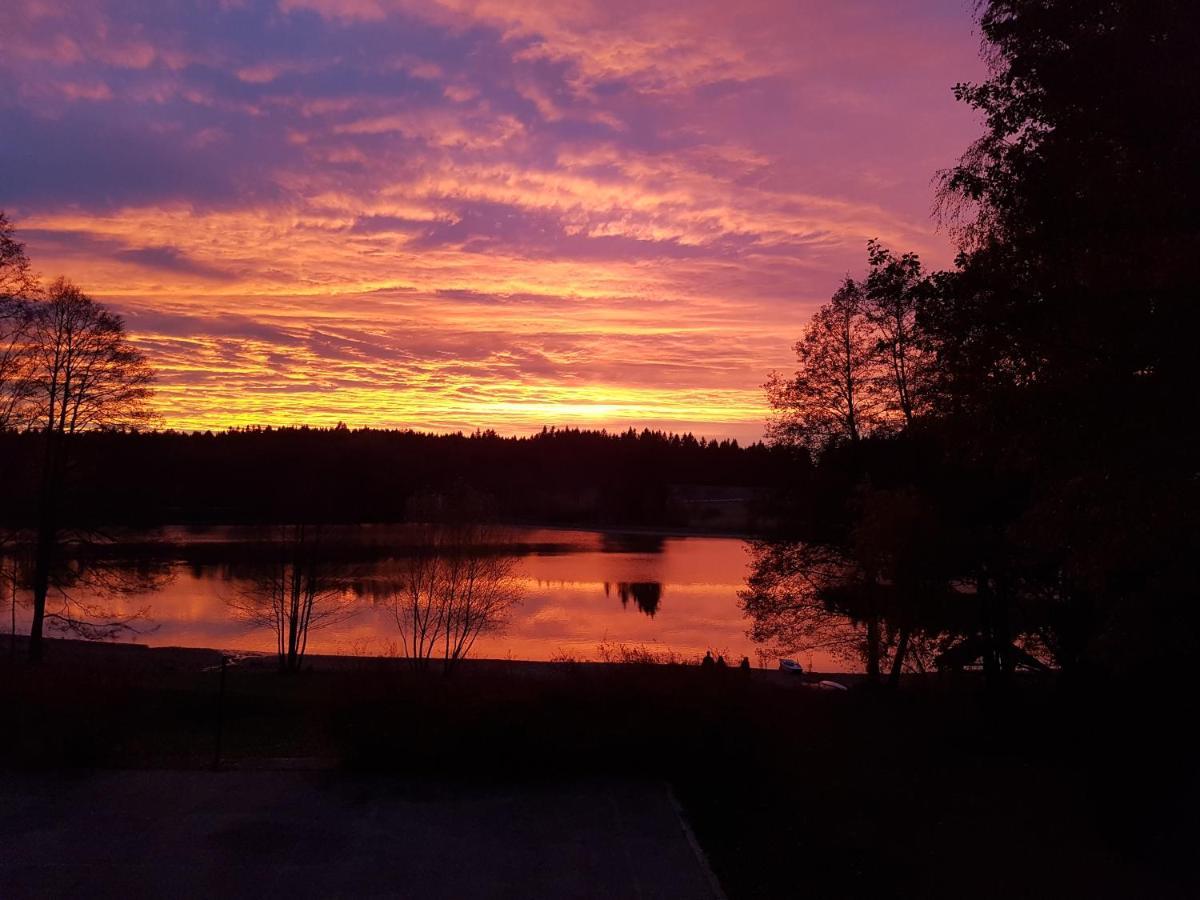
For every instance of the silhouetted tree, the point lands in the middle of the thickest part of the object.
(893, 293)
(457, 584)
(1064, 337)
(300, 589)
(16, 276)
(1075, 208)
(862, 376)
(15, 316)
(834, 395)
(17, 285)
(1047, 442)
(84, 374)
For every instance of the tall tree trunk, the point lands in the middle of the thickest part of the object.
(290, 659)
(46, 543)
(290, 663)
(41, 588)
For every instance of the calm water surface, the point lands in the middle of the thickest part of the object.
(582, 589)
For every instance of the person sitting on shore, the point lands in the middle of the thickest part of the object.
(721, 662)
(707, 662)
(744, 665)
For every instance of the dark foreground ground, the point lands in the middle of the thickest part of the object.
(293, 834)
(933, 791)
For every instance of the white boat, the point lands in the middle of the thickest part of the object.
(790, 665)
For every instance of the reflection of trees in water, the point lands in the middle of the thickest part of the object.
(299, 589)
(897, 591)
(457, 583)
(646, 595)
(87, 584)
(786, 607)
(801, 598)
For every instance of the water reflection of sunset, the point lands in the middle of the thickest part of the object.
(565, 608)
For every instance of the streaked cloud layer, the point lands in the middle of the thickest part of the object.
(472, 213)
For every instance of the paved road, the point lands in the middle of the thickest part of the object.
(303, 834)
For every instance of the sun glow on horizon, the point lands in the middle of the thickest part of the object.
(447, 216)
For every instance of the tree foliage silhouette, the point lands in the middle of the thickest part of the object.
(1042, 393)
(83, 374)
(834, 395)
(16, 275)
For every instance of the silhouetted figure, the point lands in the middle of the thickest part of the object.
(721, 662)
(744, 665)
(707, 662)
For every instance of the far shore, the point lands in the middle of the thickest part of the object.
(141, 534)
(677, 531)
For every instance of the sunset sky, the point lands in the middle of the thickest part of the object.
(450, 214)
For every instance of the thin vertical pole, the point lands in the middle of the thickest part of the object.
(220, 715)
(12, 646)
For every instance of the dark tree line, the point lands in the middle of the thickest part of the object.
(1005, 452)
(363, 475)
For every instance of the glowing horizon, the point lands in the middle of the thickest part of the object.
(471, 213)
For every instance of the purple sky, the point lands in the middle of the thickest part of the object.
(450, 214)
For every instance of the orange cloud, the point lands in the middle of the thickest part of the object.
(473, 213)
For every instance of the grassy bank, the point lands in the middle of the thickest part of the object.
(930, 791)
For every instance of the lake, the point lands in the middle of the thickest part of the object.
(582, 591)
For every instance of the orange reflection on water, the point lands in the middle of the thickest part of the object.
(583, 592)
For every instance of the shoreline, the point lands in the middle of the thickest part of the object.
(128, 655)
(199, 528)
(683, 531)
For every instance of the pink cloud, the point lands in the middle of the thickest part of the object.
(462, 213)
(94, 90)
